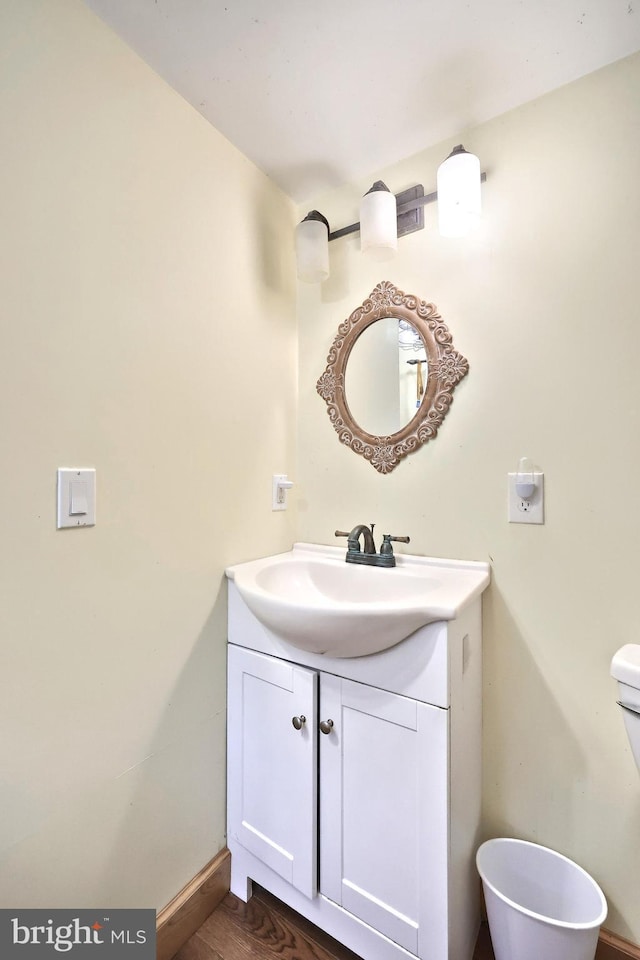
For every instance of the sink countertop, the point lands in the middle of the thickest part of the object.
(311, 598)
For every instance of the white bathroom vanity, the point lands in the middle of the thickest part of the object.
(354, 782)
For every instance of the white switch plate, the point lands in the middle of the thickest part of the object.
(280, 485)
(76, 497)
(526, 511)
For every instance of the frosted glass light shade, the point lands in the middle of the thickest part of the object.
(379, 223)
(312, 248)
(458, 186)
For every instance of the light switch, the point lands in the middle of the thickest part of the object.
(78, 500)
(76, 497)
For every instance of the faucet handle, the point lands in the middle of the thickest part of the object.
(341, 533)
(386, 549)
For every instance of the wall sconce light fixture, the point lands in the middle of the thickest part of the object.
(379, 222)
(385, 217)
(458, 192)
(312, 248)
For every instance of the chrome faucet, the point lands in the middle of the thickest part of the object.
(369, 556)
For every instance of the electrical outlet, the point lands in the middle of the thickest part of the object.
(280, 485)
(526, 511)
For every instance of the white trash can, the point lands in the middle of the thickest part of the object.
(539, 903)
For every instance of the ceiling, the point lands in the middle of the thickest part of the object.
(318, 94)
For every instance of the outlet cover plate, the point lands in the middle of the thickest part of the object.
(526, 511)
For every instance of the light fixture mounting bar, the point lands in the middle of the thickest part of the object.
(343, 231)
(413, 199)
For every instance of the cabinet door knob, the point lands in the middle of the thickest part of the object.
(326, 726)
(299, 722)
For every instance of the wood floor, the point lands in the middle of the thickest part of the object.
(264, 929)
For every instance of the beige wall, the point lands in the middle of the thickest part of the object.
(544, 304)
(148, 309)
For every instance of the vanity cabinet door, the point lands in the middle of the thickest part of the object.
(383, 812)
(272, 766)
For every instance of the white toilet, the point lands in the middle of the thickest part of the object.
(625, 668)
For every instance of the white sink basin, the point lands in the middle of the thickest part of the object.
(314, 600)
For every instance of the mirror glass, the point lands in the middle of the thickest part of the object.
(385, 378)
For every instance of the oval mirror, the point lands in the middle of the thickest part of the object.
(390, 375)
(385, 376)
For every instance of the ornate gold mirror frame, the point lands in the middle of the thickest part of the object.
(445, 368)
